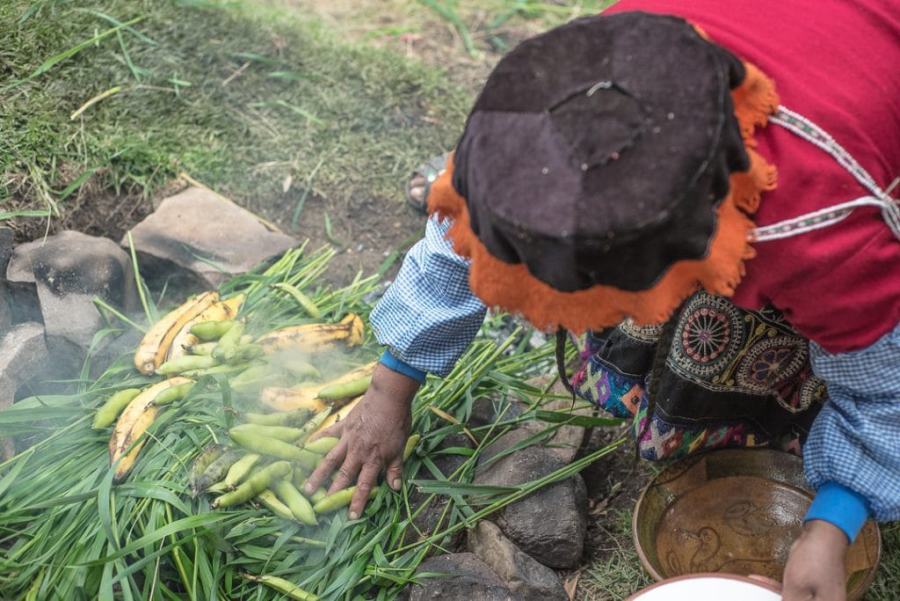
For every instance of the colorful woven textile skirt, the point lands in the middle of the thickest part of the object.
(731, 378)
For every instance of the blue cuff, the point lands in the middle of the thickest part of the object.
(395, 364)
(840, 506)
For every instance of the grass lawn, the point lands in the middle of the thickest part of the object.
(310, 112)
(269, 108)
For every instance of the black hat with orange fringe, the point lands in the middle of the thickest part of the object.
(607, 171)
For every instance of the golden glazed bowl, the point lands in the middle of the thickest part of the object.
(735, 511)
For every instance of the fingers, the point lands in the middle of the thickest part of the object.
(798, 594)
(368, 479)
(346, 474)
(394, 473)
(330, 463)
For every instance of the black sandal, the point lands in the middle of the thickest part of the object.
(430, 170)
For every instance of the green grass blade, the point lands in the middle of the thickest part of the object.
(54, 60)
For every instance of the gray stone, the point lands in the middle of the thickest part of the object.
(523, 575)
(427, 520)
(6, 320)
(72, 262)
(208, 238)
(487, 410)
(23, 355)
(567, 440)
(463, 577)
(7, 242)
(6, 249)
(122, 347)
(69, 270)
(23, 303)
(549, 525)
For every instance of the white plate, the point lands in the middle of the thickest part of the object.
(707, 588)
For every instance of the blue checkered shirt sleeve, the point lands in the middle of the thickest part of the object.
(429, 316)
(855, 440)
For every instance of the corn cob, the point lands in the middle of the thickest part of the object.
(284, 587)
(185, 363)
(345, 390)
(411, 443)
(185, 340)
(307, 396)
(296, 502)
(110, 410)
(201, 348)
(322, 446)
(134, 421)
(254, 485)
(155, 346)
(263, 445)
(209, 331)
(274, 504)
(289, 418)
(240, 469)
(283, 433)
(315, 337)
(337, 500)
(296, 365)
(317, 496)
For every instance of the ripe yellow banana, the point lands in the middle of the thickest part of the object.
(219, 311)
(134, 421)
(338, 415)
(155, 346)
(315, 337)
(306, 397)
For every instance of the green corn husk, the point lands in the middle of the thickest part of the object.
(293, 419)
(70, 533)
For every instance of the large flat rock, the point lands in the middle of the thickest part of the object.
(210, 238)
(525, 577)
(67, 271)
(463, 577)
(23, 355)
(550, 525)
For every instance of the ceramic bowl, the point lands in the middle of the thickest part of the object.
(734, 511)
(708, 587)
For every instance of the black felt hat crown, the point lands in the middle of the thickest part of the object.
(597, 152)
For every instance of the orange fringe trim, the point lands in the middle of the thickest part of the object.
(512, 288)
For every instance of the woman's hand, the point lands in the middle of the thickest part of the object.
(815, 569)
(372, 437)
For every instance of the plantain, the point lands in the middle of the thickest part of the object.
(338, 415)
(158, 340)
(306, 397)
(134, 421)
(315, 337)
(219, 311)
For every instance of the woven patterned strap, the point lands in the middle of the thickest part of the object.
(809, 131)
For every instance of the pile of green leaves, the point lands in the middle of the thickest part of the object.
(68, 532)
